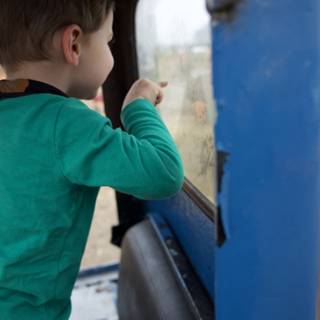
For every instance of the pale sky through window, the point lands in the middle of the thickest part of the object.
(187, 17)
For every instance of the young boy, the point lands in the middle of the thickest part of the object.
(55, 152)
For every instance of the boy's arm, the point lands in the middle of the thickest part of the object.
(143, 162)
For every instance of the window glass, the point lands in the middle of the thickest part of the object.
(2, 74)
(174, 45)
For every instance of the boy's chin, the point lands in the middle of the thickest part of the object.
(86, 95)
(89, 97)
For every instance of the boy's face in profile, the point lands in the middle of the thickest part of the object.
(95, 61)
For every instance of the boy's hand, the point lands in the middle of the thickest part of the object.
(145, 89)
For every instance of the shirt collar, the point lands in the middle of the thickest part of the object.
(24, 87)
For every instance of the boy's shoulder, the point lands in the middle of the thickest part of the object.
(74, 106)
(64, 102)
(61, 111)
(74, 114)
(61, 104)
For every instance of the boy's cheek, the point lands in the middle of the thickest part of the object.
(109, 66)
(110, 61)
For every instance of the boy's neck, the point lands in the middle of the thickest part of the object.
(45, 72)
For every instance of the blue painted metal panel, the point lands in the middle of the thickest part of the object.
(267, 87)
(194, 231)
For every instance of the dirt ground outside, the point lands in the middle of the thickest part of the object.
(99, 249)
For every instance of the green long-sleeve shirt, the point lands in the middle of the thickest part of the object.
(55, 153)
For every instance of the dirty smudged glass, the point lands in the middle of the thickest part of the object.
(174, 45)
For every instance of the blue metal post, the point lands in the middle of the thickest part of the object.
(267, 87)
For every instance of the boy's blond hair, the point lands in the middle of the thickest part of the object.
(26, 27)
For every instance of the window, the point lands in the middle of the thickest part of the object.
(99, 250)
(174, 45)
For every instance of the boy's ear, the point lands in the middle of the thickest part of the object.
(71, 44)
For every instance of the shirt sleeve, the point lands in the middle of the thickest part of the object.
(142, 161)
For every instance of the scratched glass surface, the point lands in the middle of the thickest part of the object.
(174, 45)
